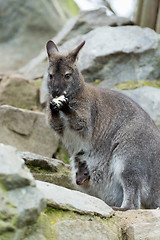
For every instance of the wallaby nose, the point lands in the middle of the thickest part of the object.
(55, 92)
(78, 182)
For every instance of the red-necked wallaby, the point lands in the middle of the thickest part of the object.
(106, 130)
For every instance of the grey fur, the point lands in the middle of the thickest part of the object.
(115, 137)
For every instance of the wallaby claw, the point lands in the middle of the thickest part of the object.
(54, 107)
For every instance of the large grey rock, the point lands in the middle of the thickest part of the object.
(66, 199)
(48, 169)
(89, 20)
(27, 131)
(148, 98)
(17, 91)
(20, 201)
(82, 24)
(26, 25)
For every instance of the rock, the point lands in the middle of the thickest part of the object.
(59, 224)
(48, 169)
(26, 25)
(89, 20)
(148, 98)
(79, 229)
(66, 199)
(140, 224)
(17, 91)
(82, 24)
(27, 131)
(21, 202)
(134, 51)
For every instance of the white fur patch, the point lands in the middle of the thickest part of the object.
(117, 166)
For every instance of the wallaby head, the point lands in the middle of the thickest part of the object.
(63, 74)
(82, 174)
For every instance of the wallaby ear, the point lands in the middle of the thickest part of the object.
(51, 47)
(74, 54)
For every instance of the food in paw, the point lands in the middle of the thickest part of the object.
(59, 100)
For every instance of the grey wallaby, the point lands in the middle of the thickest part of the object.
(106, 130)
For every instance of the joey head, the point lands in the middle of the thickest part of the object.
(82, 174)
(108, 131)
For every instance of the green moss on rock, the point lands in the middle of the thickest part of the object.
(136, 84)
(50, 217)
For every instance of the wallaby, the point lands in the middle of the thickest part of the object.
(82, 173)
(110, 132)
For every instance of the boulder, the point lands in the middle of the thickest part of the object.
(17, 91)
(89, 20)
(66, 199)
(21, 202)
(82, 24)
(26, 25)
(27, 131)
(149, 99)
(95, 220)
(48, 169)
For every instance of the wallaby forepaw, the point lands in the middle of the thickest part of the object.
(54, 107)
(58, 103)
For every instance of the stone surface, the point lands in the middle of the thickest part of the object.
(140, 224)
(27, 131)
(148, 98)
(82, 24)
(26, 25)
(20, 201)
(89, 20)
(66, 199)
(48, 169)
(17, 91)
(13, 174)
(79, 229)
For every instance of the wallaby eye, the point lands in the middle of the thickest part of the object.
(50, 75)
(85, 173)
(67, 76)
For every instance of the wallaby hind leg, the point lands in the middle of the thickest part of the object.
(131, 192)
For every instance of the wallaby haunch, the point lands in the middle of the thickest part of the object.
(106, 130)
